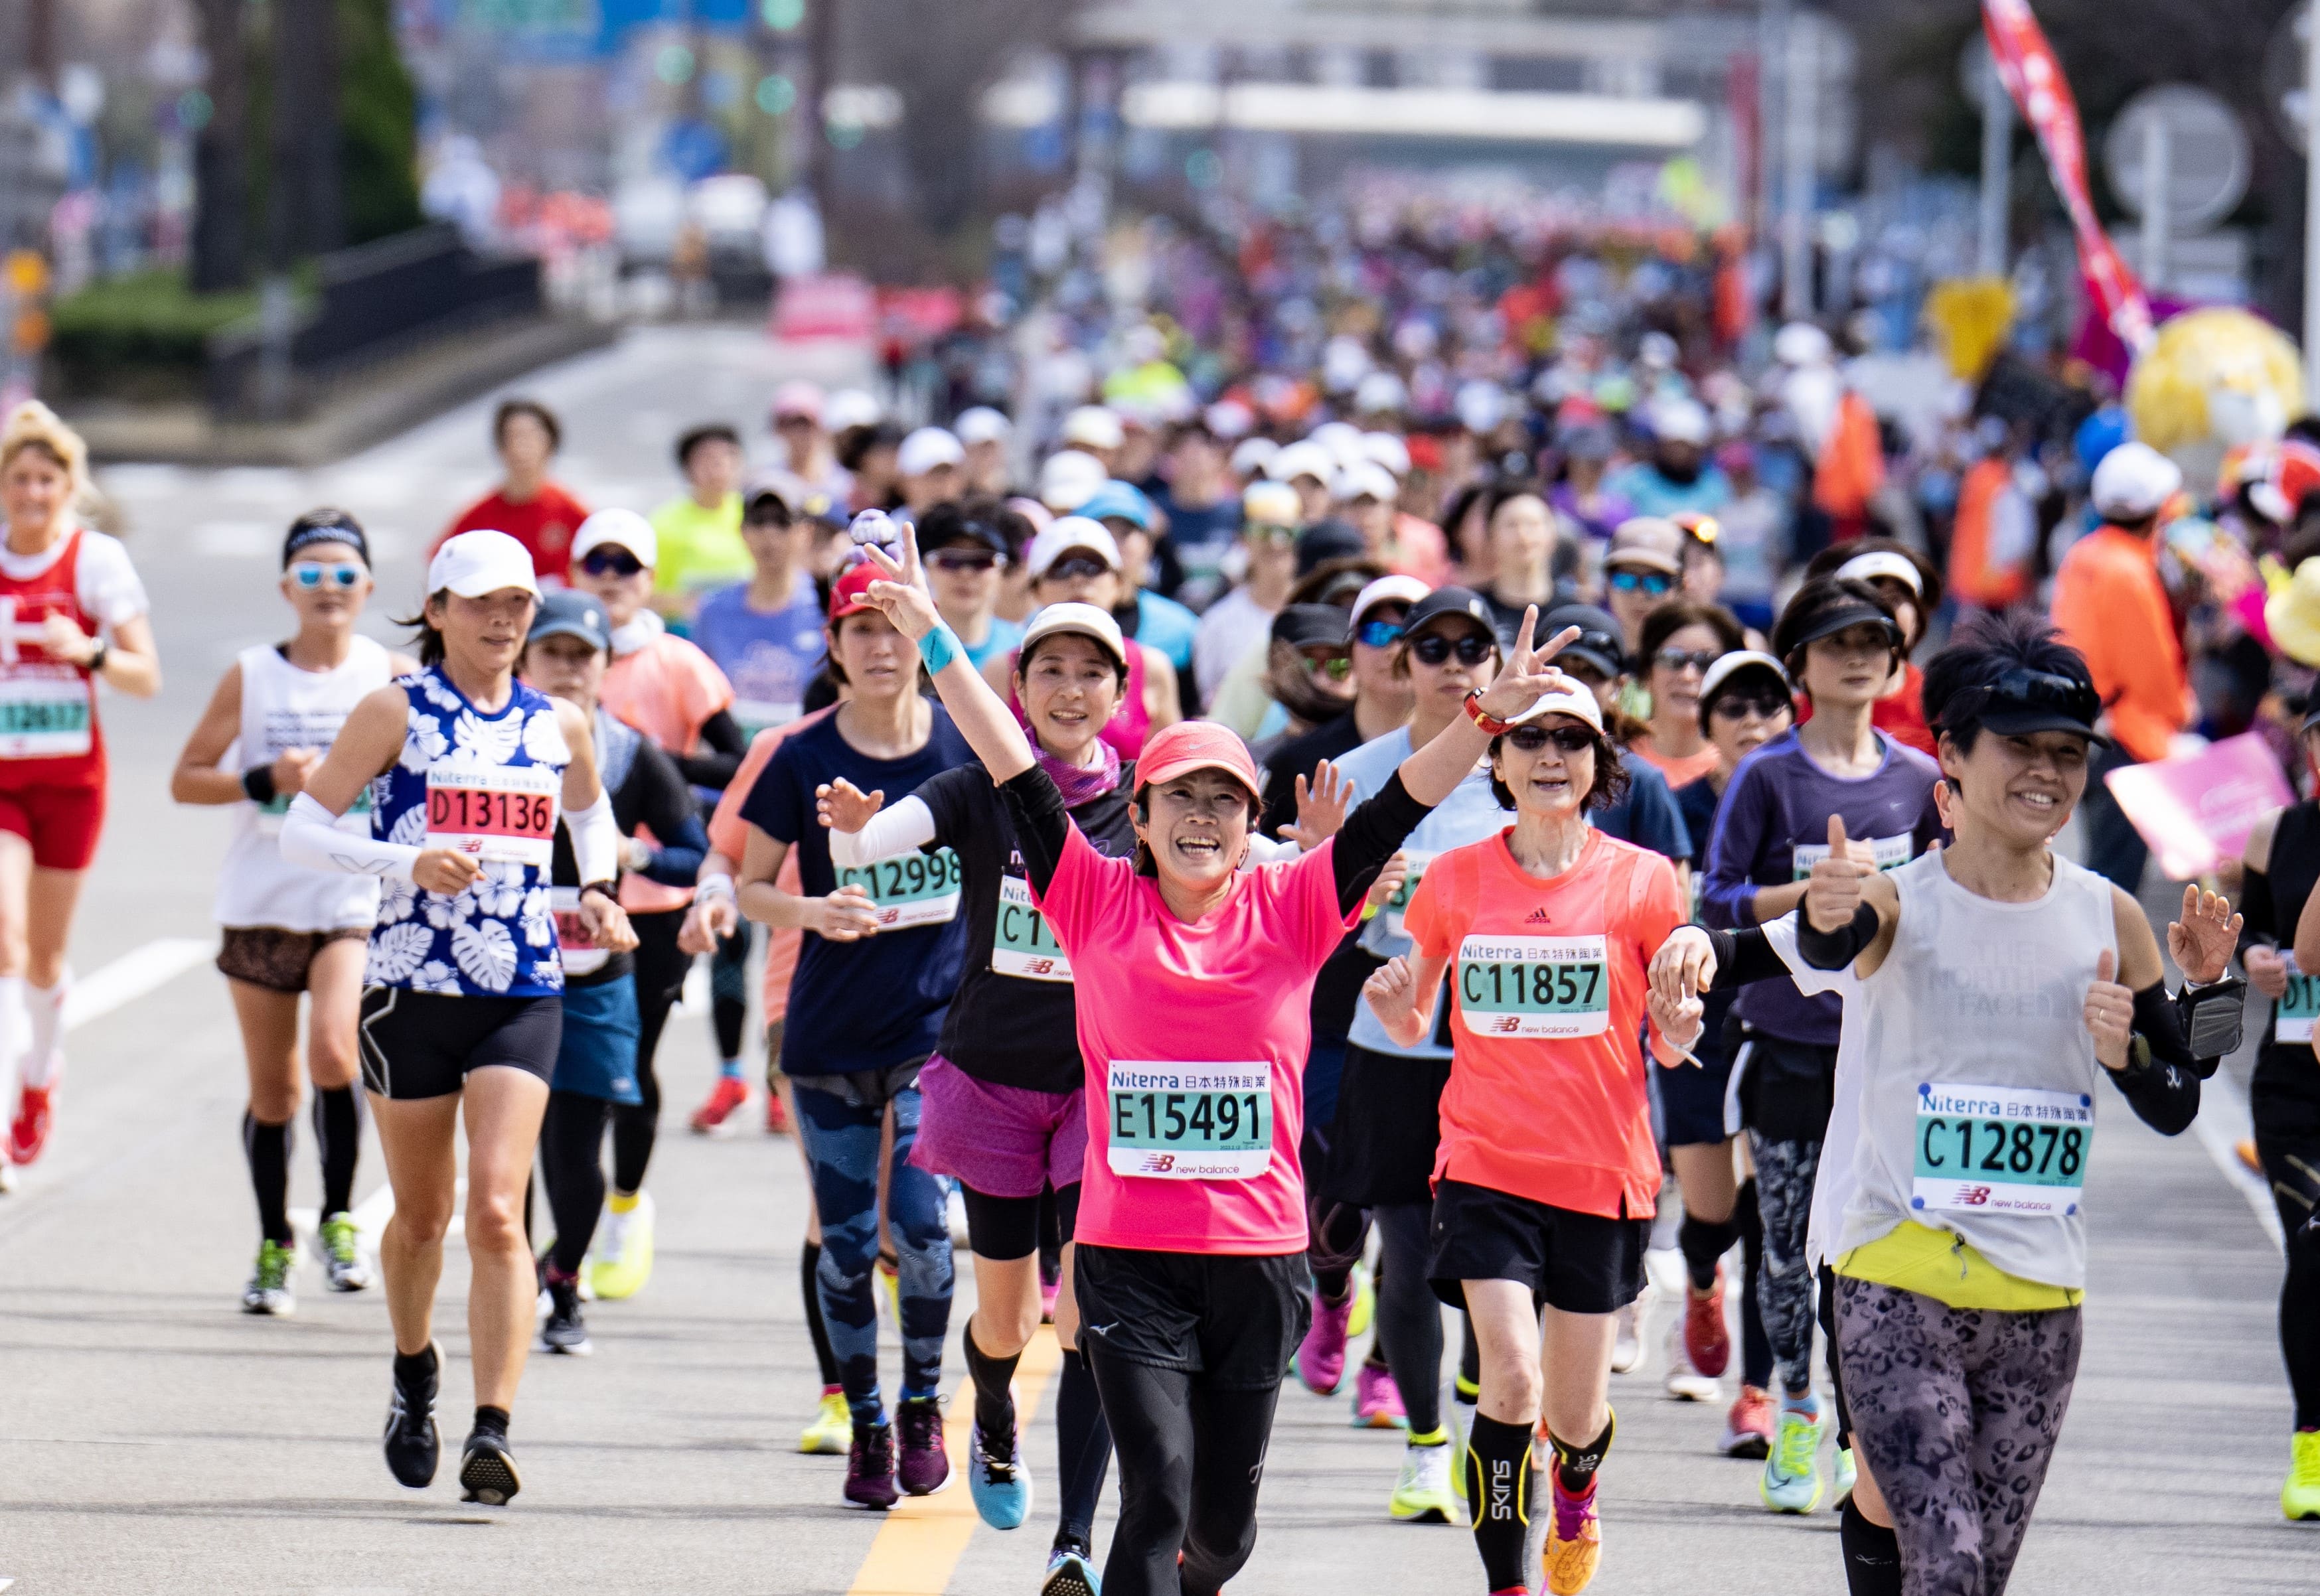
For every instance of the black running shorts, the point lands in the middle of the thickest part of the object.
(1581, 1263)
(424, 1044)
(1231, 1321)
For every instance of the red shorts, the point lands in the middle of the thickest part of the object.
(61, 823)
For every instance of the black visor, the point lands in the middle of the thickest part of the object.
(2022, 701)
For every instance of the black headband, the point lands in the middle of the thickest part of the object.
(307, 537)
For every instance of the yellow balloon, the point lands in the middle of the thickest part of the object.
(2212, 380)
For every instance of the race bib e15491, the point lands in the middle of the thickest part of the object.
(1188, 1121)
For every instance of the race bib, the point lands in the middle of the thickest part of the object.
(2299, 1006)
(1399, 904)
(46, 716)
(1189, 1121)
(1534, 986)
(1891, 853)
(1022, 943)
(909, 889)
(583, 954)
(2001, 1149)
(502, 813)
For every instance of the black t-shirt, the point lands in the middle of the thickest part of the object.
(2273, 901)
(1297, 757)
(1015, 1020)
(648, 791)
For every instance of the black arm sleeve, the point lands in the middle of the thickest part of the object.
(1742, 957)
(718, 758)
(1042, 825)
(1370, 833)
(657, 796)
(1834, 949)
(2160, 1081)
(2259, 920)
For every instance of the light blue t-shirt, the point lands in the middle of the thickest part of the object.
(1004, 637)
(1469, 815)
(768, 655)
(1167, 625)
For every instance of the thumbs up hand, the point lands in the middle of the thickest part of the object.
(2110, 1013)
(1832, 890)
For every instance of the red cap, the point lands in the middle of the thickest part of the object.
(846, 595)
(1196, 745)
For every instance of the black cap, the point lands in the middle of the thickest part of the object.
(1599, 642)
(1327, 540)
(568, 612)
(1452, 600)
(947, 524)
(2022, 701)
(1304, 625)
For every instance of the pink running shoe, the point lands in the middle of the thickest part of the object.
(30, 1133)
(1377, 1400)
(1322, 1356)
(1705, 1336)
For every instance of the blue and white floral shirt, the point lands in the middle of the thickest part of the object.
(496, 938)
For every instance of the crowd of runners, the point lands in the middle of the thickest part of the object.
(1284, 863)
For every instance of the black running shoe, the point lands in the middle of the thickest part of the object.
(564, 1331)
(412, 1446)
(488, 1470)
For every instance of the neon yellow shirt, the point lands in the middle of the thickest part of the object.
(700, 548)
(1940, 1265)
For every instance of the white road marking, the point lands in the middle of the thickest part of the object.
(129, 978)
(2223, 1123)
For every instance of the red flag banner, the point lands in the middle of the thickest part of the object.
(2033, 80)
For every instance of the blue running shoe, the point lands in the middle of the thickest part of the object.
(1070, 1574)
(999, 1484)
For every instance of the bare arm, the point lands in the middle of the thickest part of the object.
(1433, 773)
(132, 665)
(981, 715)
(369, 742)
(844, 916)
(1401, 993)
(197, 780)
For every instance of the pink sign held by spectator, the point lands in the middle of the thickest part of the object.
(2197, 810)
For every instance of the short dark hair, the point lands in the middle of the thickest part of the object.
(1816, 599)
(854, 445)
(1504, 494)
(1674, 614)
(1982, 650)
(692, 438)
(1609, 786)
(429, 640)
(510, 408)
(1023, 658)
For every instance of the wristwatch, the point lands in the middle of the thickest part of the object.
(96, 660)
(1488, 722)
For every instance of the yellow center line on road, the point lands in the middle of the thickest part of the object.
(919, 1547)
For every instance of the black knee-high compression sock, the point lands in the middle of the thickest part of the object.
(338, 1141)
(1083, 1452)
(1704, 1243)
(268, 1148)
(808, 1262)
(1576, 1466)
(994, 1403)
(1872, 1553)
(1497, 1487)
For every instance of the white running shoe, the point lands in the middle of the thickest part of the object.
(1423, 1495)
(1685, 1383)
(1628, 1346)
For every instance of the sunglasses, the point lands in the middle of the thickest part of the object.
(1471, 649)
(1679, 659)
(1074, 567)
(1336, 667)
(2022, 687)
(1378, 634)
(609, 561)
(963, 559)
(1278, 536)
(1567, 739)
(1761, 705)
(311, 574)
(1655, 582)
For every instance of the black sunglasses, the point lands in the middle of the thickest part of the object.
(610, 560)
(2021, 687)
(1076, 565)
(963, 559)
(1676, 659)
(1568, 739)
(1472, 648)
(1762, 706)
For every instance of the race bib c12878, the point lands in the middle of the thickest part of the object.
(2001, 1149)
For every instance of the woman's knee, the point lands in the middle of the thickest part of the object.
(274, 1098)
(1512, 1381)
(495, 1222)
(423, 1220)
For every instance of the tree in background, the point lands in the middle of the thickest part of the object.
(220, 245)
(378, 125)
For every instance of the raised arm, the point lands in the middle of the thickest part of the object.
(1433, 773)
(981, 715)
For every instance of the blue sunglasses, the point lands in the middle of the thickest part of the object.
(1379, 634)
(311, 574)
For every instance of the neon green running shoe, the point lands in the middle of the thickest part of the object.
(1791, 1482)
(342, 1260)
(1846, 1472)
(269, 1292)
(2300, 1497)
(832, 1430)
(1423, 1495)
(624, 1252)
(1364, 1302)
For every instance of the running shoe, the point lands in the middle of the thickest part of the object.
(1684, 1383)
(269, 1292)
(1364, 1302)
(2299, 1498)
(412, 1445)
(624, 1255)
(1574, 1536)
(561, 1328)
(778, 1118)
(870, 1466)
(924, 1466)
(1627, 1345)
(1749, 1427)
(1791, 1482)
(1423, 1495)
(728, 1094)
(1071, 1572)
(1846, 1472)
(29, 1132)
(342, 1260)
(999, 1483)
(488, 1470)
(832, 1430)
(1705, 1336)
(1322, 1355)
(1377, 1400)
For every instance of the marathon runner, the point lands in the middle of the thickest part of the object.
(875, 974)
(1983, 985)
(288, 930)
(1075, 560)
(1189, 1260)
(598, 1064)
(71, 612)
(462, 1010)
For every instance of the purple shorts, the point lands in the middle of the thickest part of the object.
(1004, 1141)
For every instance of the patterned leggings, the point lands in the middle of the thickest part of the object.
(1784, 1291)
(1956, 1412)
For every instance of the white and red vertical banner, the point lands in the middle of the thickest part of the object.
(2033, 80)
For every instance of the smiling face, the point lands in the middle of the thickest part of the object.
(1849, 668)
(1195, 826)
(1551, 782)
(35, 487)
(565, 667)
(1069, 688)
(880, 664)
(315, 584)
(482, 636)
(2019, 791)
(1745, 719)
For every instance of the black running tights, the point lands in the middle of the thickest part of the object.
(572, 1158)
(660, 981)
(2292, 1165)
(1408, 1313)
(1191, 1457)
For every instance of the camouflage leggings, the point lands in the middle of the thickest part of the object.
(1955, 1411)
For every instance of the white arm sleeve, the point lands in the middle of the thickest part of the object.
(1263, 850)
(595, 840)
(906, 826)
(311, 838)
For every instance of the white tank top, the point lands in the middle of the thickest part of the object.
(1965, 1078)
(284, 708)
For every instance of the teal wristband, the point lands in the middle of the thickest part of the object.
(938, 648)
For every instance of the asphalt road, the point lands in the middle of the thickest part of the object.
(154, 1439)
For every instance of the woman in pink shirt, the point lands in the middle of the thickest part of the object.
(1195, 979)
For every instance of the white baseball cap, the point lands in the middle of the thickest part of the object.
(1885, 563)
(1388, 450)
(1343, 439)
(1085, 619)
(1395, 589)
(1379, 393)
(625, 528)
(1681, 420)
(1302, 458)
(1254, 456)
(1364, 480)
(1228, 419)
(475, 563)
(1069, 479)
(982, 424)
(1566, 696)
(928, 448)
(798, 397)
(1069, 533)
(1096, 425)
(2133, 482)
(1480, 406)
(851, 407)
